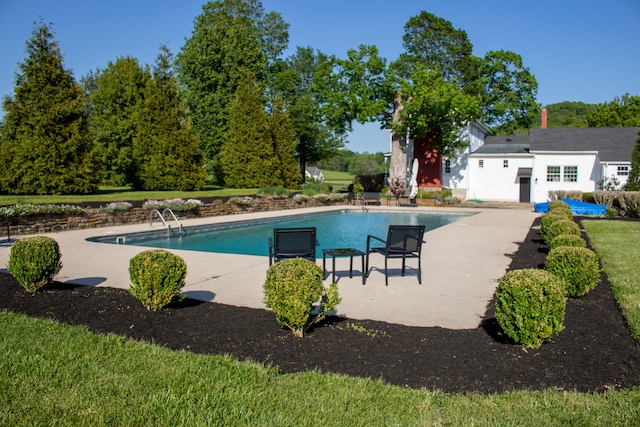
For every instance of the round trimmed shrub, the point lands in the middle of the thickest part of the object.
(558, 228)
(559, 206)
(578, 267)
(33, 261)
(553, 216)
(567, 240)
(530, 306)
(291, 290)
(157, 276)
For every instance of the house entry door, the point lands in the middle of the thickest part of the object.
(525, 189)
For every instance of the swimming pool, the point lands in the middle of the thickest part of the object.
(336, 229)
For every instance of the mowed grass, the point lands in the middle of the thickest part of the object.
(339, 180)
(118, 194)
(55, 374)
(617, 244)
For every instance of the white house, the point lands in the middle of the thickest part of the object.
(525, 168)
(313, 173)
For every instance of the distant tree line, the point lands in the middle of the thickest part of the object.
(229, 107)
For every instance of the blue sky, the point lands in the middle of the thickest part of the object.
(578, 50)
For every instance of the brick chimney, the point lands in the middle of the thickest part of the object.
(543, 115)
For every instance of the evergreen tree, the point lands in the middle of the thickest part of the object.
(284, 145)
(247, 157)
(117, 100)
(45, 144)
(165, 152)
(634, 174)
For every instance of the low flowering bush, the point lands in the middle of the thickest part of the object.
(241, 201)
(116, 207)
(530, 306)
(33, 261)
(578, 267)
(157, 276)
(176, 205)
(152, 204)
(28, 209)
(294, 291)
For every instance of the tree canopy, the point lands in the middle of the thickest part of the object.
(621, 112)
(231, 40)
(44, 139)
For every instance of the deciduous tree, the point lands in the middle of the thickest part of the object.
(432, 106)
(231, 40)
(45, 144)
(621, 112)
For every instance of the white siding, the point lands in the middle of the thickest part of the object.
(458, 175)
(589, 172)
(617, 170)
(493, 181)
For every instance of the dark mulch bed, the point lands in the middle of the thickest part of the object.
(595, 352)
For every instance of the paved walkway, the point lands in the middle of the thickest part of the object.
(461, 262)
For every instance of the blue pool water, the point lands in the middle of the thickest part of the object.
(336, 229)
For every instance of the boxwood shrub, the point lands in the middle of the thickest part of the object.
(578, 267)
(530, 306)
(157, 276)
(33, 261)
(558, 228)
(567, 240)
(559, 205)
(292, 289)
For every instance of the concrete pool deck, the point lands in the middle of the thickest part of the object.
(461, 265)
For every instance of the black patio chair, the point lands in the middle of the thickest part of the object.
(292, 243)
(403, 241)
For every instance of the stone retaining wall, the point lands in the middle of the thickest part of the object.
(94, 218)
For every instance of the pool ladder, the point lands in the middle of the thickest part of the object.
(365, 206)
(162, 216)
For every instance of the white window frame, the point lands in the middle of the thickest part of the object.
(623, 171)
(553, 176)
(570, 173)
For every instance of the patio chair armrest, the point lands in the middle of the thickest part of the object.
(270, 251)
(369, 237)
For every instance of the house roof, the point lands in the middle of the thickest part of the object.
(612, 144)
(504, 145)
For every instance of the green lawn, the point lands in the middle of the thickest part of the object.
(117, 194)
(617, 244)
(339, 180)
(55, 374)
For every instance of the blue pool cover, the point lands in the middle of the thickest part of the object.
(578, 208)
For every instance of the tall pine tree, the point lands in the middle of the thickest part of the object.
(284, 146)
(247, 157)
(165, 152)
(45, 144)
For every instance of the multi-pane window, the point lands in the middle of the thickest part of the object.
(570, 174)
(553, 173)
(623, 170)
(447, 166)
(481, 163)
(505, 163)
